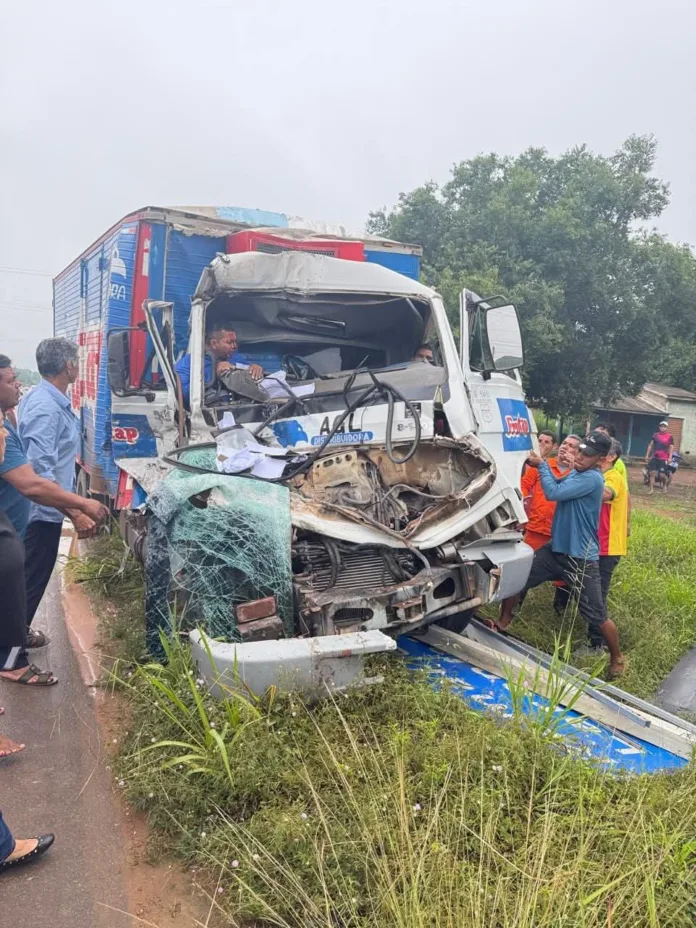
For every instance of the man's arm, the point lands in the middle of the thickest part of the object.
(614, 486)
(670, 452)
(571, 487)
(648, 453)
(528, 481)
(42, 491)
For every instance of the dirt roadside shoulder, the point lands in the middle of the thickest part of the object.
(160, 894)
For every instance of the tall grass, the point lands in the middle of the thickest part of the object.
(114, 581)
(399, 806)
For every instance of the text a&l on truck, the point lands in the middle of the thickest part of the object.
(399, 477)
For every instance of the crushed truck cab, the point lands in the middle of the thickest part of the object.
(384, 487)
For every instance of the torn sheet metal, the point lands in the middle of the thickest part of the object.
(302, 272)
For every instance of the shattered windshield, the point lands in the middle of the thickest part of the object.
(284, 341)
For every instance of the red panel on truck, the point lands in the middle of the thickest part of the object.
(141, 285)
(274, 244)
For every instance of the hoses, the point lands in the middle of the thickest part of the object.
(377, 388)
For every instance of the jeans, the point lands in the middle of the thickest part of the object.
(7, 843)
(582, 577)
(13, 615)
(41, 541)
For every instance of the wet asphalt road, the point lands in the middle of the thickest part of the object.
(59, 784)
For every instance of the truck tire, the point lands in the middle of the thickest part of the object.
(82, 483)
(456, 623)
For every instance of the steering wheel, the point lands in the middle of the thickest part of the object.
(298, 368)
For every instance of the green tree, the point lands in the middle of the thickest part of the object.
(27, 377)
(559, 237)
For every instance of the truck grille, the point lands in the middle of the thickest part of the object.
(329, 563)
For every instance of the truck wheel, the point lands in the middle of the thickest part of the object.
(82, 483)
(456, 623)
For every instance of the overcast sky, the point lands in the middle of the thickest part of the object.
(309, 107)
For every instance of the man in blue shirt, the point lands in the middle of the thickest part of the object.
(573, 554)
(51, 440)
(19, 487)
(237, 377)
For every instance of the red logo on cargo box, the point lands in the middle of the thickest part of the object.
(516, 425)
(127, 434)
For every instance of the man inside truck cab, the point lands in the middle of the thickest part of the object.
(425, 354)
(223, 365)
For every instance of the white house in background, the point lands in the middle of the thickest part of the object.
(636, 418)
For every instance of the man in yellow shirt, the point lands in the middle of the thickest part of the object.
(613, 525)
(609, 430)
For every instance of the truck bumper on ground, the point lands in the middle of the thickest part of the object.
(325, 664)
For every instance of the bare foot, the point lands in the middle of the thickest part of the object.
(8, 746)
(616, 668)
(23, 846)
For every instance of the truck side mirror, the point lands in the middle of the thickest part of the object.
(118, 361)
(504, 338)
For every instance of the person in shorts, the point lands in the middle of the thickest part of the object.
(573, 553)
(659, 453)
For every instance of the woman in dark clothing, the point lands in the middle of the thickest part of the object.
(16, 851)
(12, 638)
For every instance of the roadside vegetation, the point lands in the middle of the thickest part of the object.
(398, 805)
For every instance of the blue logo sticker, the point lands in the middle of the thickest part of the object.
(344, 438)
(517, 429)
(132, 436)
(289, 432)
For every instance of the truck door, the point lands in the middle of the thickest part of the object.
(143, 403)
(491, 356)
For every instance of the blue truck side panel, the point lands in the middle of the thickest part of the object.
(408, 265)
(158, 258)
(118, 315)
(96, 289)
(66, 304)
(187, 255)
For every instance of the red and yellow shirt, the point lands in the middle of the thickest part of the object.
(613, 517)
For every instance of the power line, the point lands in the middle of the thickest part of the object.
(23, 270)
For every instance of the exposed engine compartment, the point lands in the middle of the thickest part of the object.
(365, 483)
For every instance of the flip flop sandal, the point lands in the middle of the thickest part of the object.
(493, 626)
(43, 677)
(36, 639)
(45, 841)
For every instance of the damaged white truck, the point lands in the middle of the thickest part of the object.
(364, 487)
